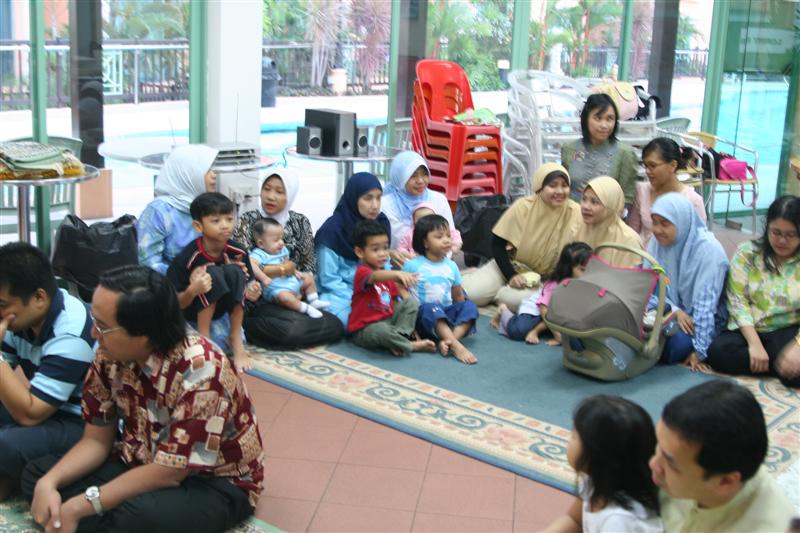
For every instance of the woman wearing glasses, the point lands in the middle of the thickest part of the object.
(661, 159)
(764, 301)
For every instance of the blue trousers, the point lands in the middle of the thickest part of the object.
(22, 444)
(455, 314)
(676, 349)
(519, 325)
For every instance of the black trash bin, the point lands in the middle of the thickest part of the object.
(269, 82)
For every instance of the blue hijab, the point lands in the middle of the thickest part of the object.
(403, 167)
(692, 260)
(337, 232)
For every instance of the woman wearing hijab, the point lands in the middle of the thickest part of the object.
(408, 187)
(527, 238)
(336, 257)
(602, 204)
(278, 192)
(696, 266)
(165, 225)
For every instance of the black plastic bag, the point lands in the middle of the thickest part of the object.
(475, 217)
(82, 253)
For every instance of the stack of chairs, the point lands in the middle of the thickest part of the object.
(463, 159)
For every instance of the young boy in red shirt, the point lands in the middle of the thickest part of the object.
(383, 314)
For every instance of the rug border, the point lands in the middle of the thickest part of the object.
(416, 431)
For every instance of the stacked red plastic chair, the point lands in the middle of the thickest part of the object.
(464, 159)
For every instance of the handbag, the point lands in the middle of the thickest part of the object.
(732, 169)
(475, 217)
(624, 96)
(82, 253)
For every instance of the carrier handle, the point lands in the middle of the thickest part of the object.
(624, 247)
(651, 346)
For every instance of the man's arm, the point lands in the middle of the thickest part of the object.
(81, 460)
(136, 481)
(25, 408)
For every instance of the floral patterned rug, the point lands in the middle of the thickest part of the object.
(492, 433)
(15, 518)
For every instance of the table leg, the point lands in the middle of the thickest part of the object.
(24, 212)
(344, 170)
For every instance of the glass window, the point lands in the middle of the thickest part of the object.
(759, 50)
(145, 90)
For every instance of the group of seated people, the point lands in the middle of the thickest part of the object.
(381, 268)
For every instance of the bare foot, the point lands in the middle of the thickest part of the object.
(464, 355)
(241, 357)
(444, 347)
(495, 323)
(553, 342)
(532, 337)
(424, 345)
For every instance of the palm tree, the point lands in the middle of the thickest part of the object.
(371, 20)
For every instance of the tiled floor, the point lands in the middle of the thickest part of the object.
(328, 470)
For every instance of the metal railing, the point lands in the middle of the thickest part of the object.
(133, 71)
(600, 62)
(144, 71)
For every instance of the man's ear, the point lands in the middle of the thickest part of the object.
(197, 226)
(359, 252)
(729, 484)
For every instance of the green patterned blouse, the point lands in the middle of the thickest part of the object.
(759, 298)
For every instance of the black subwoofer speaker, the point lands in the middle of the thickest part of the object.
(362, 142)
(309, 140)
(338, 130)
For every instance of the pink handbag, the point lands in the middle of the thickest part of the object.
(731, 169)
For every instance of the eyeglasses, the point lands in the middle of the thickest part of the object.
(103, 331)
(778, 234)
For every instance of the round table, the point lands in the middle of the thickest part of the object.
(344, 163)
(24, 195)
(156, 161)
(133, 149)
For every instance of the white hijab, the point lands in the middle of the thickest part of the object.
(291, 184)
(182, 178)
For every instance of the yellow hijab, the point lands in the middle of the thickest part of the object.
(537, 230)
(610, 228)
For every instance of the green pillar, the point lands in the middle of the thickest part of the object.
(38, 66)
(716, 59)
(625, 42)
(198, 71)
(519, 35)
(394, 64)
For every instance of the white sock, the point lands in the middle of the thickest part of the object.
(311, 296)
(310, 311)
(319, 304)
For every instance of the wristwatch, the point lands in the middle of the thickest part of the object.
(92, 495)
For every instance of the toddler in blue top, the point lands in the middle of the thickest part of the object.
(285, 290)
(445, 315)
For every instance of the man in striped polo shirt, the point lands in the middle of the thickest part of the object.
(47, 333)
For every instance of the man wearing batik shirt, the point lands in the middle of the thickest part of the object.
(189, 457)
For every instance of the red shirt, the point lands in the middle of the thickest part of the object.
(371, 303)
(184, 409)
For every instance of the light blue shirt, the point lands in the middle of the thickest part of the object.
(281, 284)
(335, 281)
(56, 361)
(163, 232)
(436, 280)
